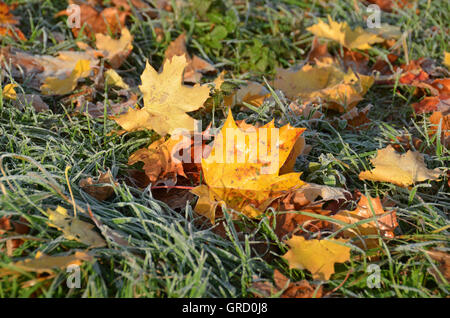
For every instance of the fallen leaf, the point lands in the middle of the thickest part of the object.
(444, 264)
(166, 100)
(97, 110)
(357, 118)
(324, 82)
(73, 228)
(436, 119)
(46, 264)
(253, 93)
(196, 66)
(316, 256)
(245, 174)
(101, 189)
(389, 5)
(447, 59)
(160, 160)
(344, 35)
(114, 79)
(115, 51)
(14, 227)
(8, 22)
(301, 289)
(383, 222)
(33, 100)
(318, 52)
(9, 91)
(400, 169)
(57, 86)
(93, 22)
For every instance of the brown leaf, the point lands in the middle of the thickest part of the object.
(436, 119)
(196, 66)
(301, 289)
(444, 264)
(357, 118)
(101, 188)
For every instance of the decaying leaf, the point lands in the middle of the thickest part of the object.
(57, 86)
(33, 100)
(115, 51)
(196, 66)
(93, 22)
(357, 118)
(73, 228)
(342, 33)
(160, 159)
(12, 227)
(317, 256)
(339, 90)
(245, 174)
(400, 169)
(101, 189)
(8, 23)
(436, 119)
(46, 264)
(301, 289)
(253, 93)
(166, 100)
(114, 79)
(444, 264)
(383, 223)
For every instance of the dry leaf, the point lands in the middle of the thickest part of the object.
(253, 93)
(196, 66)
(73, 228)
(8, 22)
(444, 264)
(301, 289)
(57, 86)
(115, 51)
(101, 189)
(166, 100)
(93, 22)
(400, 169)
(436, 119)
(317, 256)
(160, 160)
(389, 5)
(324, 82)
(245, 174)
(31, 99)
(344, 35)
(114, 79)
(46, 264)
(383, 223)
(357, 118)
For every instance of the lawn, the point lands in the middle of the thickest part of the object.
(155, 250)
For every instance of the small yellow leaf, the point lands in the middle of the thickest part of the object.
(400, 169)
(57, 86)
(9, 91)
(253, 93)
(166, 100)
(114, 79)
(73, 228)
(344, 35)
(317, 256)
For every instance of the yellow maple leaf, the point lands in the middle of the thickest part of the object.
(115, 51)
(382, 223)
(9, 91)
(317, 256)
(342, 33)
(166, 100)
(400, 169)
(328, 83)
(242, 169)
(57, 86)
(73, 228)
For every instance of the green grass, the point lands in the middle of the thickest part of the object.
(170, 254)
